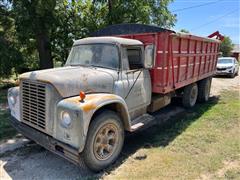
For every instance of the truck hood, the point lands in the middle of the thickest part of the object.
(69, 81)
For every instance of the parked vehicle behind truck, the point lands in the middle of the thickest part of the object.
(227, 66)
(110, 84)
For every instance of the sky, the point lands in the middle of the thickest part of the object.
(208, 17)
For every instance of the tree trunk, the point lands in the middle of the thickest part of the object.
(110, 6)
(44, 51)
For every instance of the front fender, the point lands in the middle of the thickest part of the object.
(89, 106)
(94, 102)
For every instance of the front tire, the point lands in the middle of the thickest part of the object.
(104, 141)
(190, 94)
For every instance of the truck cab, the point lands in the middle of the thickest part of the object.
(82, 110)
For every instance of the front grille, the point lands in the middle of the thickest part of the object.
(221, 69)
(34, 104)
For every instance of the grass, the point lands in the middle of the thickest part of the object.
(6, 130)
(203, 143)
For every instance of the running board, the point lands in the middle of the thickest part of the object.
(141, 122)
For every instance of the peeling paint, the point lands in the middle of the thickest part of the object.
(88, 107)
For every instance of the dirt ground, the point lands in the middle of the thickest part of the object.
(224, 83)
(33, 162)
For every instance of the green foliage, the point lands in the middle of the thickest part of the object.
(137, 11)
(184, 31)
(34, 20)
(6, 130)
(78, 19)
(226, 47)
(201, 142)
(10, 55)
(44, 31)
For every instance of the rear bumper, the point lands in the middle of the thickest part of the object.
(47, 141)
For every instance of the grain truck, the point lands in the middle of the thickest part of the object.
(111, 84)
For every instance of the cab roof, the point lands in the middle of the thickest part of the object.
(107, 40)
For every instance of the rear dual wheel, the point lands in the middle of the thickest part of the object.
(190, 94)
(196, 92)
(204, 87)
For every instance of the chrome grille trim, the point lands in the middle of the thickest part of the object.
(33, 96)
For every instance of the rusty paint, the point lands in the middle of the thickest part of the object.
(99, 96)
(91, 101)
(88, 107)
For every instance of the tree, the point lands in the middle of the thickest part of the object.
(10, 55)
(44, 30)
(226, 47)
(34, 20)
(184, 31)
(138, 11)
(78, 19)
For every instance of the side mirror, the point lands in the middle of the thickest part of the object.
(149, 56)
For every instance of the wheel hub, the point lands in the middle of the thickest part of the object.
(105, 141)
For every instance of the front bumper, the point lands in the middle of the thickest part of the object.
(224, 72)
(48, 142)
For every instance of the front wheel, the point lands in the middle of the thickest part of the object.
(104, 141)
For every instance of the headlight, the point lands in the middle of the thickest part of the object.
(65, 119)
(11, 100)
(230, 67)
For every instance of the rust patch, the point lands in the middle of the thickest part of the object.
(91, 101)
(100, 96)
(90, 97)
(88, 107)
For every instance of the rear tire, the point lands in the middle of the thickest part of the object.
(190, 94)
(104, 141)
(204, 87)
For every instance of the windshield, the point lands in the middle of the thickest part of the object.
(98, 55)
(224, 61)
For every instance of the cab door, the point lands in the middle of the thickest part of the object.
(135, 79)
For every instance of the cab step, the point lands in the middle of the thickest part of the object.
(141, 122)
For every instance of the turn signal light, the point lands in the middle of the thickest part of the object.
(82, 95)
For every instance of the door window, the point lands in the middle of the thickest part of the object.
(132, 58)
